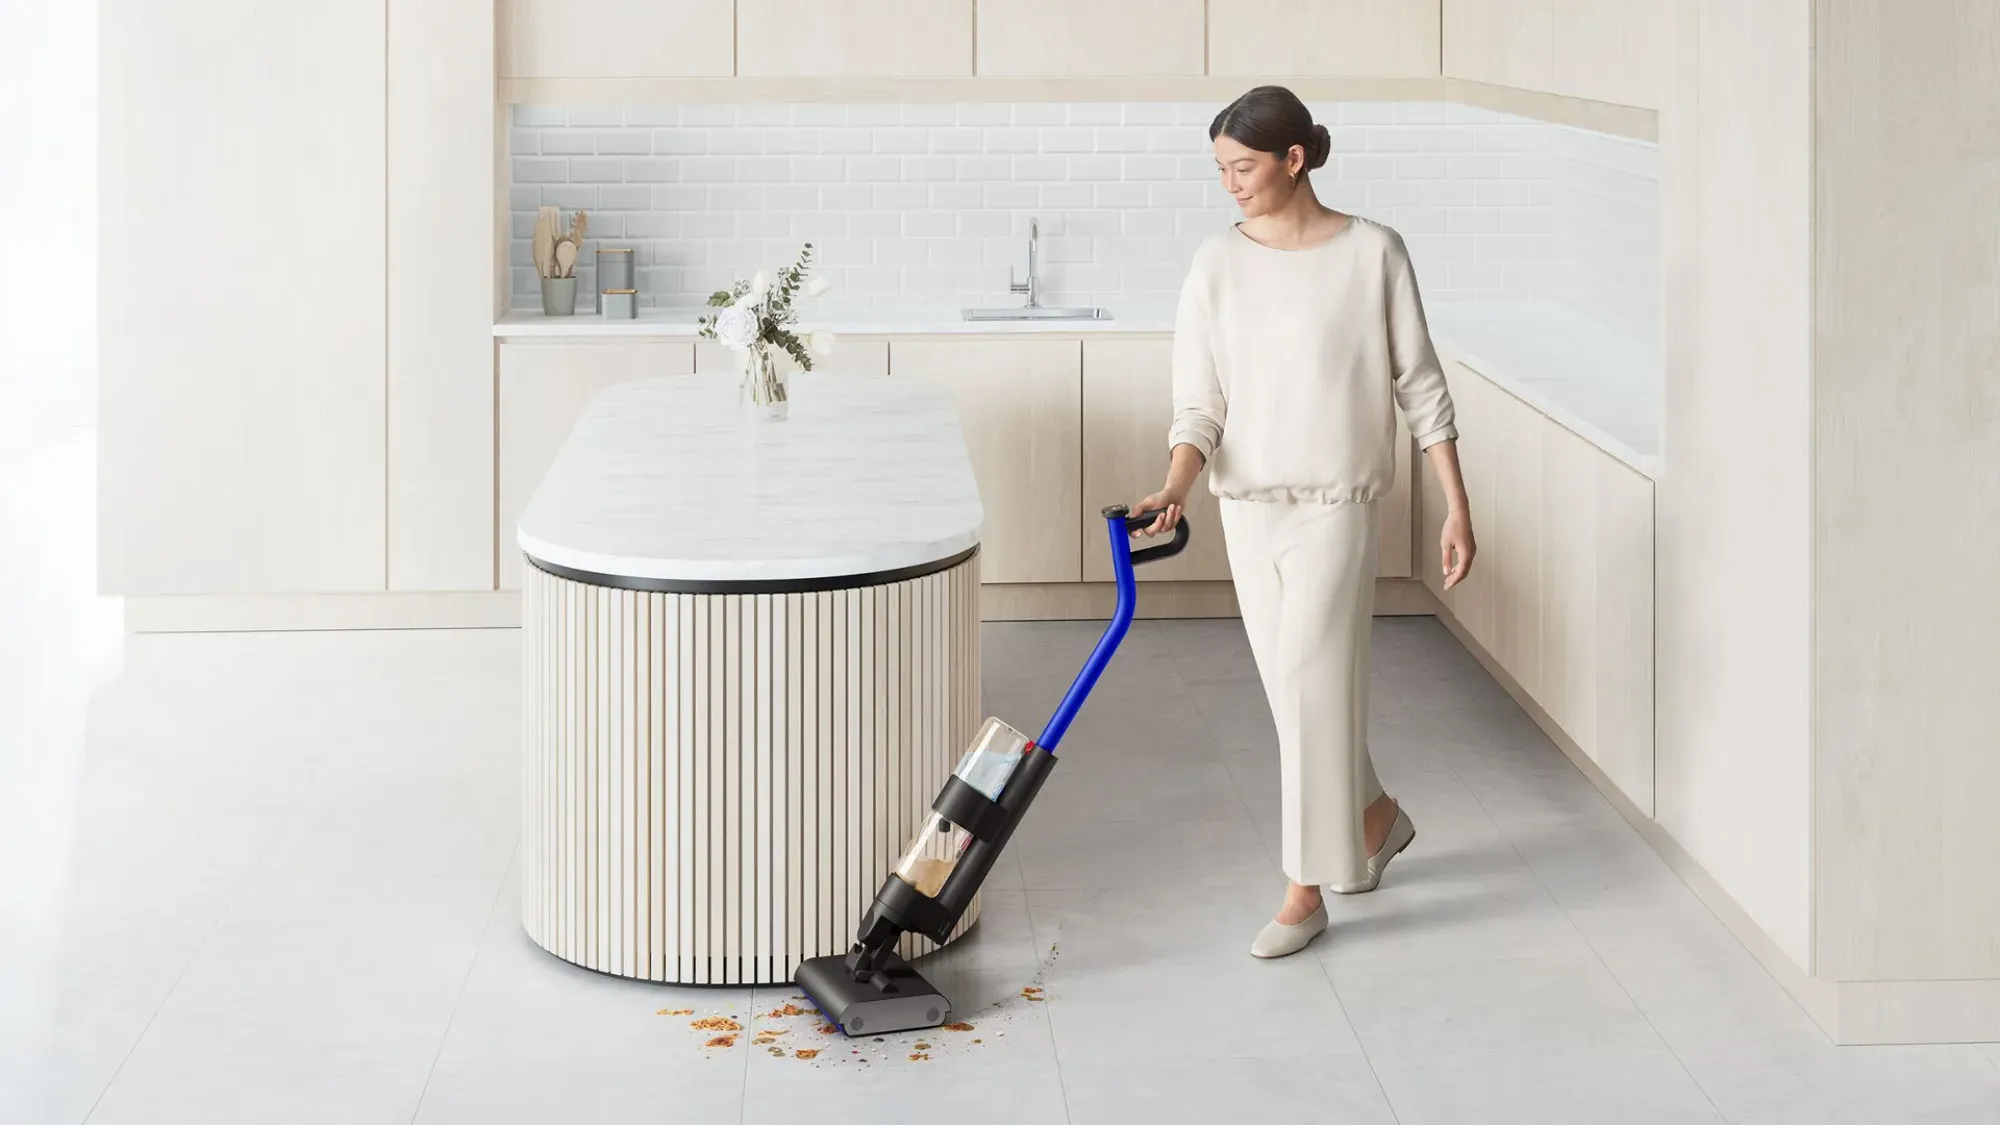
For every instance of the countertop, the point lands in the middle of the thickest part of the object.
(1603, 386)
(670, 479)
(674, 323)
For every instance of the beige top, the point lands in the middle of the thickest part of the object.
(1306, 354)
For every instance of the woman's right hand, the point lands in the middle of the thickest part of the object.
(1169, 502)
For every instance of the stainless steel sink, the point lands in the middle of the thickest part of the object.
(1040, 312)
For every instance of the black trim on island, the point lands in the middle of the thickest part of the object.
(750, 585)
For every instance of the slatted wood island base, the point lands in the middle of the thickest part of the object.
(715, 784)
(751, 660)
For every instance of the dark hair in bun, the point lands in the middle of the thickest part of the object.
(1272, 119)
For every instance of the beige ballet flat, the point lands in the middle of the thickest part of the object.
(1281, 940)
(1400, 835)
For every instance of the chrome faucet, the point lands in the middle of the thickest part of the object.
(1031, 287)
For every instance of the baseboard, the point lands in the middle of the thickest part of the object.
(1078, 601)
(255, 613)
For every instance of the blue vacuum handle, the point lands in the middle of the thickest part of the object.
(1121, 522)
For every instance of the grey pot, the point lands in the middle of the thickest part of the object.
(559, 296)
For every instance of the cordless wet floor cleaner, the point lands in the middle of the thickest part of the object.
(871, 989)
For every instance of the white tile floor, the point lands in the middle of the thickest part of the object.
(268, 878)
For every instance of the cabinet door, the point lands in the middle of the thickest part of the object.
(1021, 405)
(1569, 582)
(1098, 39)
(1622, 739)
(617, 38)
(850, 357)
(441, 279)
(854, 38)
(1127, 408)
(1256, 38)
(1502, 42)
(1609, 50)
(241, 209)
(1397, 512)
(543, 390)
(1515, 540)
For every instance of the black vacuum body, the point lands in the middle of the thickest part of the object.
(871, 990)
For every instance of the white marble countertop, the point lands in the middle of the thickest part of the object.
(670, 479)
(672, 323)
(1602, 386)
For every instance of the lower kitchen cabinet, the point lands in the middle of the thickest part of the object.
(1020, 403)
(1561, 596)
(1127, 407)
(543, 390)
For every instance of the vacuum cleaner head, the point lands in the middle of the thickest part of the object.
(892, 997)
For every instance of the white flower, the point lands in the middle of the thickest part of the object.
(737, 327)
(818, 285)
(759, 285)
(820, 343)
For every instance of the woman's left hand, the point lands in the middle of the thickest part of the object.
(1456, 548)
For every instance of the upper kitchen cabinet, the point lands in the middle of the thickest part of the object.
(1092, 39)
(242, 296)
(854, 38)
(617, 38)
(1603, 50)
(1259, 38)
(441, 276)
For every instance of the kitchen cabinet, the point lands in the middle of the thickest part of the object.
(850, 357)
(1604, 50)
(617, 38)
(1561, 595)
(543, 390)
(1127, 408)
(440, 275)
(1259, 38)
(1020, 403)
(242, 339)
(854, 38)
(1098, 39)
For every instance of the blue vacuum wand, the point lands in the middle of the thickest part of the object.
(872, 990)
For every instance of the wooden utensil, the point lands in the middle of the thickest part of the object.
(578, 223)
(565, 258)
(547, 220)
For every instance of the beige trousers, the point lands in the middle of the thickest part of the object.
(1305, 581)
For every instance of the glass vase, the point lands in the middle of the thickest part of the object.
(766, 393)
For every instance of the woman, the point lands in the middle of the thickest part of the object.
(1300, 331)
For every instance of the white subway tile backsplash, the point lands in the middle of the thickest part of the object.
(540, 170)
(929, 205)
(1013, 140)
(1096, 169)
(929, 115)
(985, 114)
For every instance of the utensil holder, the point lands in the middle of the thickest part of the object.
(559, 296)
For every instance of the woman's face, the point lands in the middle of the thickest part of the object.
(1260, 182)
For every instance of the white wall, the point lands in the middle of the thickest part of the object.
(48, 191)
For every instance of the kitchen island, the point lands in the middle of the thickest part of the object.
(751, 658)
